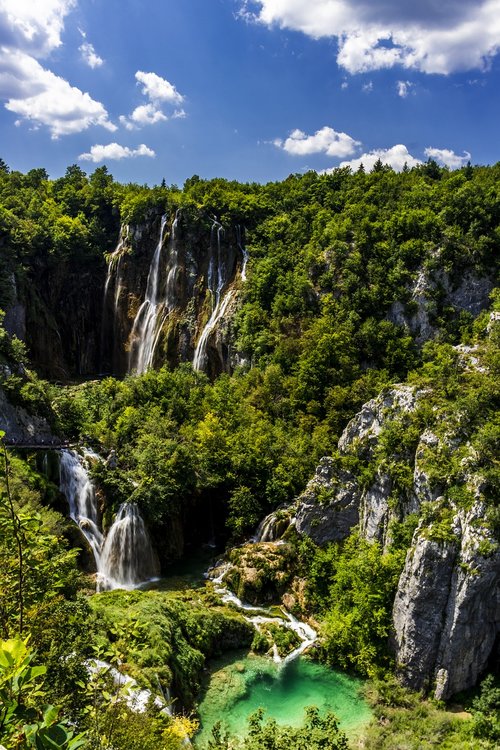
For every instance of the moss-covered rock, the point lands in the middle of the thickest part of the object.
(260, 573)
(164, 638)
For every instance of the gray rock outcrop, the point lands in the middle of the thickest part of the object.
(446, 612)
(433, 290)
(21, 427)
(334, 500)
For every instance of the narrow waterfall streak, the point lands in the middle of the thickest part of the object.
(273, 526)
(172, 267)
(77, 487)
(127, 558)
(266, 529)
(112, 280)
(144, 327)
(244, 252)
(220, 301)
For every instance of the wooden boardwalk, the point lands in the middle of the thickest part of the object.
(42, 446)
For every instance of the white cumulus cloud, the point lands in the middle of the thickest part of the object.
(90, 56)
(115, 151)
(34, 26)
(396, 157)
(43, 98)
(326, 140)
(144, 114)
(433, 37)
(157, 88)
(30, 30)
(447, 157)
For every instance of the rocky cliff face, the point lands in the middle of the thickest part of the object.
(81, 320)
(434, 294)
(56, 311)
(184, 304)
(447, 609)
(21, 427)
(446, 614)
(335, 499)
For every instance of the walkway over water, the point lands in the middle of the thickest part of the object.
(39, 446)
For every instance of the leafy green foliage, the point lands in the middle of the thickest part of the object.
(316, 733)
(352, 587)
(24, 721)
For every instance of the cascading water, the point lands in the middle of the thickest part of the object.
(144, 328)
(220, 301)
(127, 558)
(260, 616)
(244, 252)
(155, 308)
(273, 526)
(164, 308)
(78, 489)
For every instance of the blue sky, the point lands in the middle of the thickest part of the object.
(247, 90)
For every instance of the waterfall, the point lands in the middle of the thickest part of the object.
(169, 303)
(172, 267)
(244, 252)
(144, 328)
(221, 301)
(261, 615)
(127, 558)
(266, 529)
(111, 297)
(274, 525)
(78, 489)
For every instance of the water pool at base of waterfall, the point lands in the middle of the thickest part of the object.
(237, 688)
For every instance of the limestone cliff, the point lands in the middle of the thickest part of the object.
(447, 609)
(336, 499)
(185, 301)
(446, 615)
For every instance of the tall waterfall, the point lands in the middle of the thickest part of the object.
(144, 332)
(125, 558)
(79, 491)
(216, 281)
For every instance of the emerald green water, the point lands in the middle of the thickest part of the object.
(234, 690)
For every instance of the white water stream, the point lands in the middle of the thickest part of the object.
(125, 558)
(262, 615)
(143, 334)
(217, 268)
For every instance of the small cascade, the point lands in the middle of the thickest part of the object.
(244, 252)
(266, 529)
(78, 489)
(273, 526)
(261, 616)
(216, 281)
(127, 558)
(144, 330)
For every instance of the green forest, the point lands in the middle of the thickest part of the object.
(357, 283)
